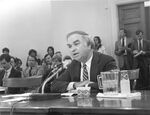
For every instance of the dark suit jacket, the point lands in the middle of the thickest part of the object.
(13, 74)
(120, 55)
(2, 72)
(146, 47)
(100, 62)
(142, 62)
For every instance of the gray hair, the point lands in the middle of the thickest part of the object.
(85, 36)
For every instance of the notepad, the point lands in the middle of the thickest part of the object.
(2, 88)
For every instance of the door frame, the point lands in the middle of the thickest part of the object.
(113, 5)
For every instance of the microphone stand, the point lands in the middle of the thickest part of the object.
(49, 78)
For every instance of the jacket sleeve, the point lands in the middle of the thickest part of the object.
(60, 84)
(117, 50)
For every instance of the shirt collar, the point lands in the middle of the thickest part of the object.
(8, 71)
(88, 63)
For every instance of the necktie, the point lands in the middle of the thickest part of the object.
(30, 71)
(123, 44)
(6, 74)
(85, 72)
(140, 45)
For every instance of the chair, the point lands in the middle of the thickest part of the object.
(133, 76)
(28, 82)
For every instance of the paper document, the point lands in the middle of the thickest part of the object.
(15, 99)
(119, 95)
(16, 95)
(2, 88)
(68, 94)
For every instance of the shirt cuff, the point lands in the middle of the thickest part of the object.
(70, 86)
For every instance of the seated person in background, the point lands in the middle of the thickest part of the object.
(50, 50)
(47, 63)
(85, 67)
(18, 63)
(33, 52)
(58, 53)
(5, 51)
(9, 72)
(12, 62)
(32, 69)
(56, 61)
(57, 65)
(67, 61)
(98, 45)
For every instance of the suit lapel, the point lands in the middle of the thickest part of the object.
(144, 47)
(136, 44)
(2, 73)
(94, 67)
(77, 71)
(119, 43)
(11, 73)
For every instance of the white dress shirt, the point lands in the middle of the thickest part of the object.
(141, 43)
(7, 73)
(125, 41)
(88, 64)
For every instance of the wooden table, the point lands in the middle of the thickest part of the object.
(87, 106)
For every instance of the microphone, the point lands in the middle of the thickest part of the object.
(56, 67)
(49, 78)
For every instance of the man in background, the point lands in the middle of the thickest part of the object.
(9, 72)
(141, 53)
(5, 51)
(86, 64)
(123, 50)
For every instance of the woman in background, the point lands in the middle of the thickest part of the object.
(98, 45)
(32, 69)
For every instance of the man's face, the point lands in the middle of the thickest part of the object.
(4, 64)
(31, 61)
(48, 59)
(122, 34)
(78, 47)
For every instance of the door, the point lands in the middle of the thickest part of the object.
(132, 17)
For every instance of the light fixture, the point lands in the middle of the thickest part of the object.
(147, 3)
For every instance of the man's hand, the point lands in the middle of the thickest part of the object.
(135, 52)
(81, 84)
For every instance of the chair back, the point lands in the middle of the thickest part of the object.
(28, 82)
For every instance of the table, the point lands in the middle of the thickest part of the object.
(81, 106)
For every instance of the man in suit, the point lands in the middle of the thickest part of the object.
(8, 72)
(123, 51)
(141, 53)
(86, 64)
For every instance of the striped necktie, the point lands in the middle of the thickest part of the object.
(30, 71)
(85, 72)
(140, 45)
